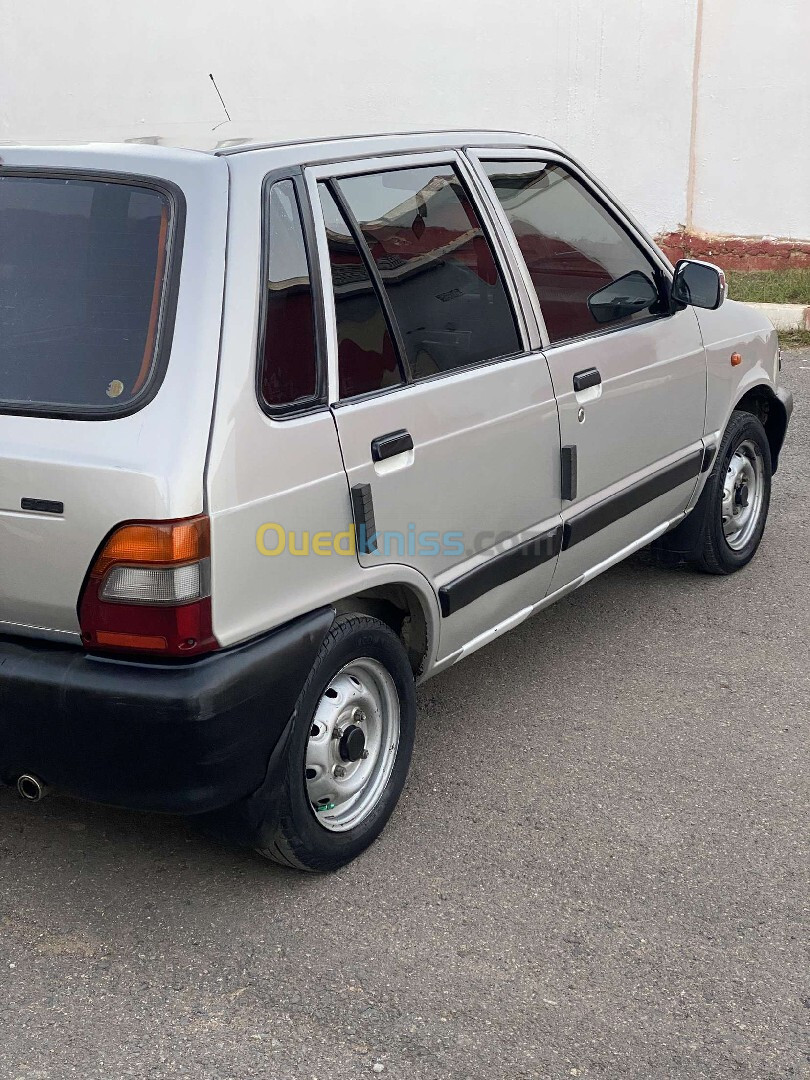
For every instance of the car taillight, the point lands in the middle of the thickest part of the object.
(149, 590)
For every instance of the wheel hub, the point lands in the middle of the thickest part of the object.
(743, 493)
(352, 743)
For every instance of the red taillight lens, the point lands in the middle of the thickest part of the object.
(148, 590)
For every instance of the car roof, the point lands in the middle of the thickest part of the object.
(227, 139)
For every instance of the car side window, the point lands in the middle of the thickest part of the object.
(367, 357)
(435, 263)
(587, 271)
(289, 363)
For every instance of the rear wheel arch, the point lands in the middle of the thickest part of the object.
(401, 608)
(762, 402)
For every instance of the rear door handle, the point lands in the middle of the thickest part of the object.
(386, 446)
(584, 380)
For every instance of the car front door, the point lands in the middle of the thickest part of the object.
(443, 402)
(629, 375)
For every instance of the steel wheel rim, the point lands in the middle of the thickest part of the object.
(343, 788)
(743, 494)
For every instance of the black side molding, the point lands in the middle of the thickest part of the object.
(363, 513)
(498, 570)
(386, 446)
(708, 458)
(598, 517)
(568, 472)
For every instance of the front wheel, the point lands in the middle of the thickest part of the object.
(726, 526)
(350, 748)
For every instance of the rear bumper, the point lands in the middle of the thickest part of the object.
(180, 738)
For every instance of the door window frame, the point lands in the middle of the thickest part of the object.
(622, 218)
(517, 297)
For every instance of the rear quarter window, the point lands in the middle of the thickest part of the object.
(84, 300)
(289, 354)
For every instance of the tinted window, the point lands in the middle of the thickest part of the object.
(82, 266)
(367, 359)
(573, 249)
(448, 299)
(289, 369)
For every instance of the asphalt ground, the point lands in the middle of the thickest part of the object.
(599, 869)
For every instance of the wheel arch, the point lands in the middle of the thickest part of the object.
(761, 401)
(401, 607)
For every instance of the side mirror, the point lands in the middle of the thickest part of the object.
(700, 284)
(623, 297)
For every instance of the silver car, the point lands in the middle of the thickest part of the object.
(286, 429)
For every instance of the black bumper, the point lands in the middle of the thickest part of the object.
(181, 738)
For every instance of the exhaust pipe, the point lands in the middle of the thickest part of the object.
(31, 788)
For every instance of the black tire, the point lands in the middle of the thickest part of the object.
(295, 837)
(700, 540)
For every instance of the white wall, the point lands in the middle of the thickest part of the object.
(609, 79)
(752, 153)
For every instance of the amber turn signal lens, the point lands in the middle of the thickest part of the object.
(156, 542)
(735, 359)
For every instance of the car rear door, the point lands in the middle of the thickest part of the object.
(629, 376)
(442, 400)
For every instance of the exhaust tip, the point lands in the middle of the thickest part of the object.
(31, 788)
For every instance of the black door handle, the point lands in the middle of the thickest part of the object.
(386, 446)
(584, 380)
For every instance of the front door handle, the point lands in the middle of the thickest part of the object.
(584, 380)
(386, 446)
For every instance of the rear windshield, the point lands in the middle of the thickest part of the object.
(82, 293)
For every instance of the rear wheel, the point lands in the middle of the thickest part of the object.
(350, 748)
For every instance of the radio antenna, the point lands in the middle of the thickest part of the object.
(224, 106)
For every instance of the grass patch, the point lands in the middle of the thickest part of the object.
(770, 286)
(794, 339)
